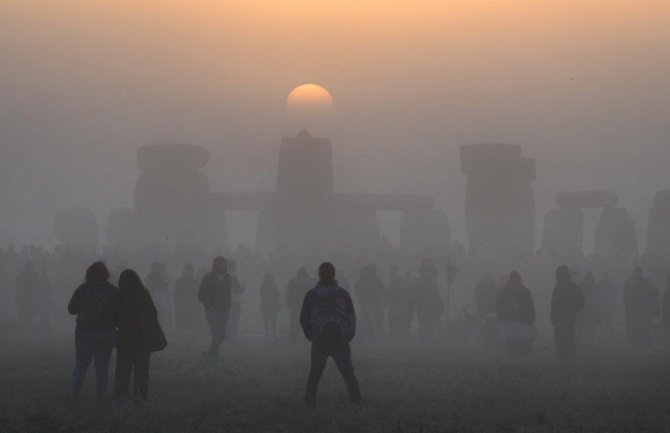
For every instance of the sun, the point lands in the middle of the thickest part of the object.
(309, 99)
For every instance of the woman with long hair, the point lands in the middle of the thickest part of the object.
(135, 306)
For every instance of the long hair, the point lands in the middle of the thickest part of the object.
(129, 281)
(97, 273)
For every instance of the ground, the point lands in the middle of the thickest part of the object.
(259, 387)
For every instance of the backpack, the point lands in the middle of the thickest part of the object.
(95, 311)
(330, 317)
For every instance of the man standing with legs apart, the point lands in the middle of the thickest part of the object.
(329, 322)
(214, 294)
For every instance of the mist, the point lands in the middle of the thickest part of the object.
(480, 205)
(582, 86)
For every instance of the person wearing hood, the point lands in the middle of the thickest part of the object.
(516, 314)
(96, 305)
(566, 301)
(328, 320)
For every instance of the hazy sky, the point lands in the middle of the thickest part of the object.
(583, 85)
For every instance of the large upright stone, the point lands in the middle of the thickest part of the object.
(616, 237)
(500, 205)
(306, 217)
(171, 200)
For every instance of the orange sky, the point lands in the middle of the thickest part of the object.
(569, 80)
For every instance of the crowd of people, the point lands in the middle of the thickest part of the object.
(401, 305)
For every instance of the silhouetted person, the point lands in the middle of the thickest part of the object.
(665, 309)
(28, 291)
(428, 302)
(46, 304)
(641, 305)
(95, 303)
(158, 285)
(588, 318)
(237, 292)
(296, 290)
(132, 354)
(516, 314)
(605, 322)
(566, 301)
(370, 294)
(215, 295)
(185, 297)
(328, 320)
(486, 291)
(399, 299)
(269, 294)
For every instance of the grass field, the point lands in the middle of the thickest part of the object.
(259, 388)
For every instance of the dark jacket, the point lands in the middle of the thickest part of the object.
(215, 291)
(134, 304)
(310, 307)
(566, 301)
(109, 295)
(515, 303)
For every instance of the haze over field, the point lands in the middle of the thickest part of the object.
(582, 85)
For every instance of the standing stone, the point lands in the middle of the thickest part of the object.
(500, 204)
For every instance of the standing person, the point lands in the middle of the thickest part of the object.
(328, 320)
(588, 318)
(95, 303)
(28, 295)
(428, 302)
(605, 321)
(641, 304)
(237, 299)
(185, 297)
(46, 305)
(665, 310)
(566, 301)
(401, 308)
(215, 295)
(158, 285)
(296, 290)
(269, 294)
(516, 314)
(370, 294)
(132, 355)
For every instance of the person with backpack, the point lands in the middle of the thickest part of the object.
(95, 303)
(328, 320)
(136, 308)
(215, 295)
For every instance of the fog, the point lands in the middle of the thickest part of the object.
(582, 86)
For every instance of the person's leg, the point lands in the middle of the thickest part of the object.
(342, 356)
(319, 355)
(141, 374)
(294, 326)
(273, 324)
(266, 324)
(103, 354)
(124, 365)
(84, 351)
(214, 323)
